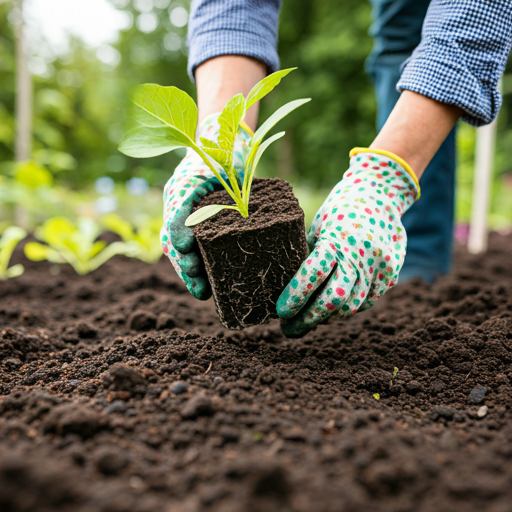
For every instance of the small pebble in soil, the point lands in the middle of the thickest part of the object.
(198, 406)
(482, 411)
(413, 387)
(477, 395)
(116, 406)
(442, 411)
(165, 321)
(125, 378)
(110, 460)
(178, 388)
(142, 321)
(71, 418)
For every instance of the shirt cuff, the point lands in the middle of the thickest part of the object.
(438, 71)
(215, 43)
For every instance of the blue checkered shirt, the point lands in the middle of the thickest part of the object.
(462, 54)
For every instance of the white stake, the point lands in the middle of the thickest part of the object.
(484, 161)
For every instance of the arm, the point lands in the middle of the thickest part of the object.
(232, 47)
(221, 78)
(416, 128)
(452, 74)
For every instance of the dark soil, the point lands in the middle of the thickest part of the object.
(121, 393)
(250, 260)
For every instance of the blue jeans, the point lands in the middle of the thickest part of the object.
(429, 222)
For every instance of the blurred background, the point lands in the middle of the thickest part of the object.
(85, 57)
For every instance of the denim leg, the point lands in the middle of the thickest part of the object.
(429, 222)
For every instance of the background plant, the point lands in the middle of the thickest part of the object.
(145, 238)
(75, 244)
(9, 239)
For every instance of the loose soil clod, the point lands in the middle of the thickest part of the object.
(95, 423)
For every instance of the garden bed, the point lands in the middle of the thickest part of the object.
(123, 393)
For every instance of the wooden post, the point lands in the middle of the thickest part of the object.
(23, 92)
(484, 161)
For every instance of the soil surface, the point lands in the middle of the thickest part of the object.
(121, 393)
(250, 260)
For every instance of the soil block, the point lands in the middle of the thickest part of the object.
(249, 261)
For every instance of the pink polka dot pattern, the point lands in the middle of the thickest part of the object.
(358, 245)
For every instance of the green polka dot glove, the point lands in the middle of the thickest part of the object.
(357, 240)
(192, 181)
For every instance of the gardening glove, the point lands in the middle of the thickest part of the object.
(191, 182)
(357, 243)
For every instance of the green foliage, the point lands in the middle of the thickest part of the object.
(81, 104)
(146, 240)
(376, 396)
(166, 119)
(75, 244)
(8, 242)
(33, 175)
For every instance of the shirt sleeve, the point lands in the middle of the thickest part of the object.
(234, 27)
(462, 55)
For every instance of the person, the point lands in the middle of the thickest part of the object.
(433, 62)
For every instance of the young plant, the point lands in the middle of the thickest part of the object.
(8, 242)
(166, 119)
(74, 244)
(146, 238)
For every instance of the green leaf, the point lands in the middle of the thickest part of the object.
(207, 143)
(254, 162)
(274, 119)
(38, 252)
(205, 213)
(262, 148)
(266, 85)
(117, 225)
(8, 242)
(229, 122)
(33, 175)
(376, 396)
(12, 234)
(165, 119)
(96, 248)
(15, 270)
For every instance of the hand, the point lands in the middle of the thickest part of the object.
(357, 240)
(191, 182)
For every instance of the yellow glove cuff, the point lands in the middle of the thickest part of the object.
(394, 157)
(246, 128)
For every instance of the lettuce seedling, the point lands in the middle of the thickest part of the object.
(166, 119)
(146, 239)
(8, 242)
(75, 244)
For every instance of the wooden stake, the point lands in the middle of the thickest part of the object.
(23, 92)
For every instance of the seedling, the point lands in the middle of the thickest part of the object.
(75, 244)
(8, 242)
(166, 119)
(376, 396)
(395, 372)
(146, 239)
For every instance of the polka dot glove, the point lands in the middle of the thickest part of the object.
(191, 182)
(357, 240)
